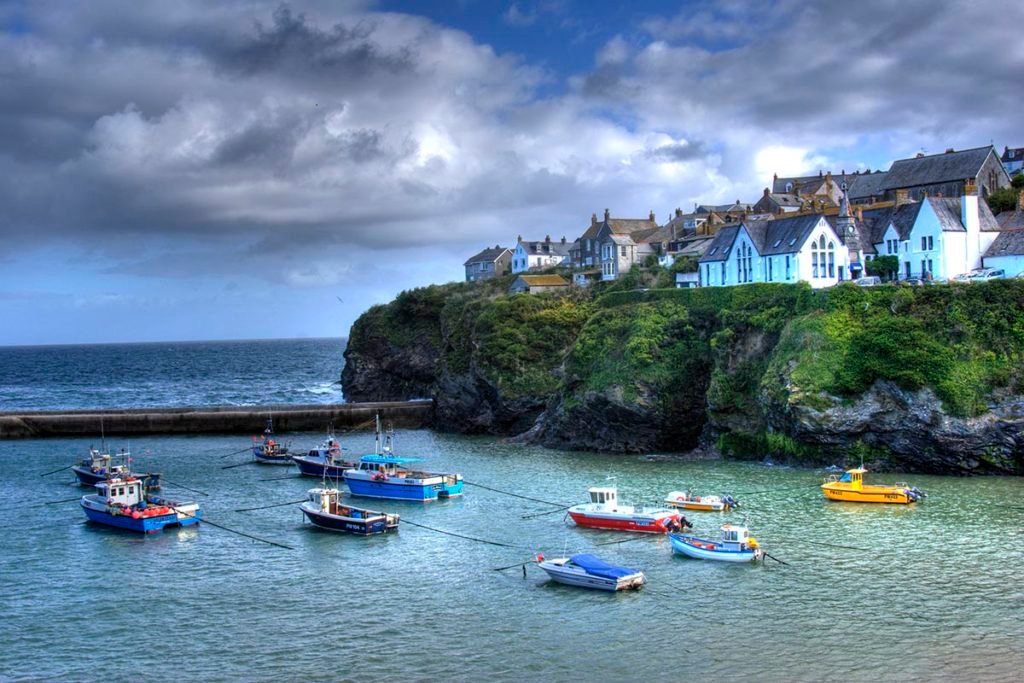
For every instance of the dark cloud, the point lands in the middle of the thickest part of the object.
(677, 151)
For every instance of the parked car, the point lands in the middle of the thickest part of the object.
(962, 277)
(913, 281)
(1020, 275)
(868, 281)
(987, 274)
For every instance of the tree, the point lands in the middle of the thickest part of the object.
(884, 267)
(1003, 199)
(685, 264)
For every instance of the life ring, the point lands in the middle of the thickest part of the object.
(680, 499)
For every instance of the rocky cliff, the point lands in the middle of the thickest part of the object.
(927, 379)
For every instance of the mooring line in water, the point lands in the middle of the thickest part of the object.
(233, 531)
(182, 486)
(238, 464)
(774, 558)
(46, 474)
(403, 520)
(516, 495)
(289, 476)
(779, 488)
(546, 512)
(226, 455)
(275, 505)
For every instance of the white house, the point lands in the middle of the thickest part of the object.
(938, 237)
(1007, 253)
(805, 247)
(530, 255)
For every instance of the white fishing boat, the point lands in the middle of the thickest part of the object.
(736, 545)
(604, 511)
(587, 571)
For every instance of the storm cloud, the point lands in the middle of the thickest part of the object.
(300, 142)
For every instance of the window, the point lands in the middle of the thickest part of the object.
(769, 269)
(713, 250)
(787, 266)
(831, 259)
(723, 272)
(931, 244)
(622, 251)
(823, 258)
(777, 243)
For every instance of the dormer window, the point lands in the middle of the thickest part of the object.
(777, 243)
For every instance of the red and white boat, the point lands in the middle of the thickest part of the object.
(605, 512)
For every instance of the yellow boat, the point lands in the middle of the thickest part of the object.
(851, 488)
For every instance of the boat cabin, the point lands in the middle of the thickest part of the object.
(604, 495)
(854, 477)
(386, 465)
(737, 537)
(127, 492)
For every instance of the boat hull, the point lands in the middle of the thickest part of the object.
(700, 507)
(144, 525)
(611, 522)
(580, 579)
(701, 549)
(403, 489)
(879, 494)
(349, 525)
(313, 467)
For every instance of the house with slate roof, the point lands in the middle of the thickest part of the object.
(531, 255)
(1007, 252)
(862, 188)
(1013, 160)
(807, 247)
(944, 174)
(489, 263)
(938, 237)
(590, 252)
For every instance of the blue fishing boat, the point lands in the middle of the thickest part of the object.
(384, 476)
(326, 511)
(269, 451)
(736, 545)
(324, 461)
(125, 504)
(99, 466)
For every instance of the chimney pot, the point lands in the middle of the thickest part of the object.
(547, 238)
(563, 239)
(969, 187)
(919, 155)
(593, 219)
(652, 214)
(766, 192)
(606, 214)
(902, 197)
(949, 150)
(679, 212)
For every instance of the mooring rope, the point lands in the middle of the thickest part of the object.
(275, 505)
(515, 495)
(233, 531)
(403, 520)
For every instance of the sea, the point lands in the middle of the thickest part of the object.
(928, 592)
(161, 374)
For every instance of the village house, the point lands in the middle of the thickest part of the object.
(806, 247)
(531, 255)
(937, 237)
(620, 250)
(590, 254)
(944, 174)
(1013, 160)
(536, 284)
(492, 262)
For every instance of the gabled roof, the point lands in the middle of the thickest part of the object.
(628, 226)
(809, 184)
(948, 211)
(1012, 154)
(719, 248)
(866, 185)
(555, 247)
(692, 246)
(1011, 220)
(785, 200)
(736, 207)
(782, 235)
(487, 255)
(900, 217)
(936, 168)
(1007, 243)
(544, 280)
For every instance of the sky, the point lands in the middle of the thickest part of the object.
(235, 170)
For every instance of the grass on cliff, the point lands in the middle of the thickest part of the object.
(964, 341)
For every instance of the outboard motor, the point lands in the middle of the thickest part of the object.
(918, 492)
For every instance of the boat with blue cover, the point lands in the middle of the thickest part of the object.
(325, 510)
(736, 545)
(325, 460)
(125, 504)
(589, 571)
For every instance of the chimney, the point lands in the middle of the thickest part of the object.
(547, 239)
(593, 219)
(652, 216)
(775, 176)
(860, 214)
(679, 212)
(971, 221)
(606, 214)
(902, 197)
(766, 192)
(563, 239)
(519, 238)
(919, 155)
(950, 150)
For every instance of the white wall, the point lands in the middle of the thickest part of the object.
(806, 263)
(1013, 265)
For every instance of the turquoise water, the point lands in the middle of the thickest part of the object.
(935, 592)
(251, 372)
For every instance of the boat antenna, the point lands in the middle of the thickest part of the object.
(376, 419)
(103, 436)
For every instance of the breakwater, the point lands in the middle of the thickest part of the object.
(213, 419)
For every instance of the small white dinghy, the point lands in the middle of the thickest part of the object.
(587, 571)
